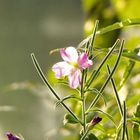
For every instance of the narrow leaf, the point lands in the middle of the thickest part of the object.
(133, 55)
(118, 25)
(90, 48)
(124, 121)
(94, 74)
(116, 93)
(69, 119)
(117, 99)
(43, 77)
(107, 80)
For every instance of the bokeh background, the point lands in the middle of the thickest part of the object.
(40, 26)
(28, 26)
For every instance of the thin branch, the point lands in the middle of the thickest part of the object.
(41, 74)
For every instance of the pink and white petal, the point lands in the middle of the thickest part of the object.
(61, 69)
(69, 54)
(75, 79)
(84, 62)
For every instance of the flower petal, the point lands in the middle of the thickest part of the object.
(61, 69)
(69, 54)
(75, 78)
(84, 62)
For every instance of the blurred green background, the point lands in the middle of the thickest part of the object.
(28, 26)
(39, 26)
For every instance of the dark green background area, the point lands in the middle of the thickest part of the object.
(32, 26)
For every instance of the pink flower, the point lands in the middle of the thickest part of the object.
(71, 66)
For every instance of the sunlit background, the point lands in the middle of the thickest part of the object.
(39, 26)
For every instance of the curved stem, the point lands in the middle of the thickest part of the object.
(118, 100)
(41, 74)
(94, 74)
(85, 134)
(107, 80)
(116, 93)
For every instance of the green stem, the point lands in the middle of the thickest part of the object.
(41, 74)
(118, 99)
(116, 93)
(124, 120)
(93, 39)
(94, 74)
(94, 32)
(107, 80)
(83, 102)
(85, 134)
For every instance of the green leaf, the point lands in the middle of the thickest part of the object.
(115, 92)
(66, 98)
(95, 73)
(119, 104)
(107, 80)
(133, 100)
(91, 136)
(90, 116)
(135, 120)
(115, 26)
(90, 49)
(68, 118)
(63, 82)
(101, 128)
(124, 121)
(133, 55)
(119, 25)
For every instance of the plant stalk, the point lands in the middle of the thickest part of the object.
(41, 74)
(107, 80)
(118, 100)
(124, 120)
(83, 102)
(94, 74)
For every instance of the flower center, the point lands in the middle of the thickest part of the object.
(74, 64)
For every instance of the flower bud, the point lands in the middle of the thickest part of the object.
(94, 121)
(11, 136)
